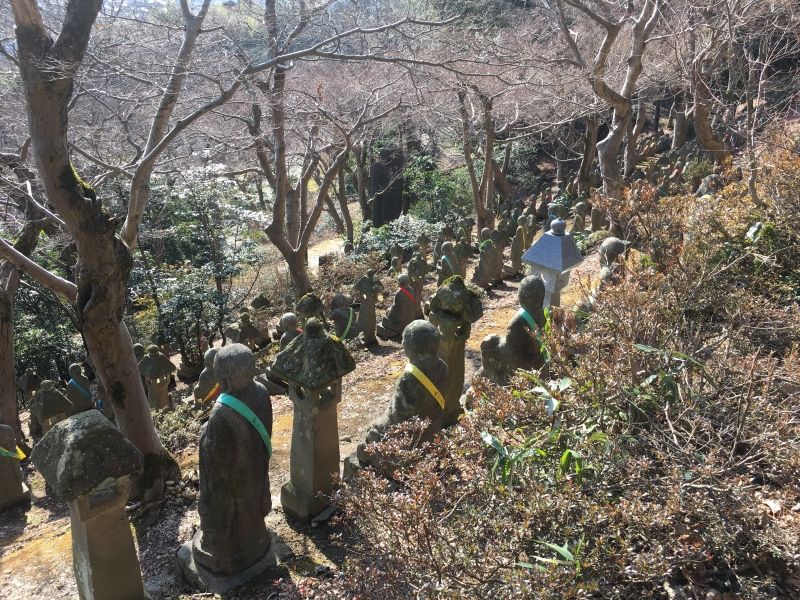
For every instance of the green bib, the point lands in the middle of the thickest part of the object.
(249, 416)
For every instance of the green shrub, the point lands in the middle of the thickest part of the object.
(437, 196)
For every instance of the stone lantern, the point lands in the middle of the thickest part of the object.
(87, 462)
(552, 258)
(454, 308)
(313, 364)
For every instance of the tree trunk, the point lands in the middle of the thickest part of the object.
(702, 119)
(361, 181)
(337, 220)
(484, 217)
(634, 131)
(341, 194)
(589, 152)
(681, 128)
(657, 115)
(9, 409)
(608, 153)
(104, 260)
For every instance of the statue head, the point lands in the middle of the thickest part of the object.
(403, 281)
(314, 328)
(447, 247)
(138, 351)
(75, 370)
(371, 273)
(245, 318)
(485, 234)
(235, 368)
(289, 322)
(208, 358)
(420, 339)
(29, 371)
(48, 385)
(153, 350)
(531, 293)
(339, 300)
(582, 209)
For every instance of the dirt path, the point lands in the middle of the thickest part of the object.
(35, 543)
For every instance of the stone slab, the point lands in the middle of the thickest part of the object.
(202, 579)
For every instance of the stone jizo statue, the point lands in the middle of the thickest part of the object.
(487, 261)
(581, 212)
(310, 306)
(12, 486)
(521, 347)
(366, 292)
(402, 311)
(344, 318)
(207, 389)
(417, 272)
(233, 543)
(78, 390)
(420, 390)
(448, 264)
(290, 329)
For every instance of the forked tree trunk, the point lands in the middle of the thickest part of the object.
(341, 194)
(104, 260)
(702, 119)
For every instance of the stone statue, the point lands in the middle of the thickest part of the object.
(454, 307)
(424, 245)
(521, 348)
(417, 272)
(518, 246)
(554, 211)
(314, 365)
(207, 388)
(437, 248)
(29, 384)
(447, 266)
(12, 486)
(463, 252)
(500, 241)
(468, 224)
(487, 261)
(290, 329)
(249, 334)
(78, 390)
(156, 368)
(581, 212)
(610, 251)
(402, 311)
(420, 390)
(366, 292)
(309, 306)
(233, 543)
(343, 317)
(49, 406)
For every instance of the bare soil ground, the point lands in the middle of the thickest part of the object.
(35, 542)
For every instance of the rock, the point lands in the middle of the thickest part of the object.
(79, 453)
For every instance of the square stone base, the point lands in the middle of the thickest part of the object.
(300, 505)
(23, 496)
(204, 580)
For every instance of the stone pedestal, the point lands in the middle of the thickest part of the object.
(198, 577)
(12, 487)
(103, 554)
(314, 458)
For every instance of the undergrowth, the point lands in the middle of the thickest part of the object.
(659, 459)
